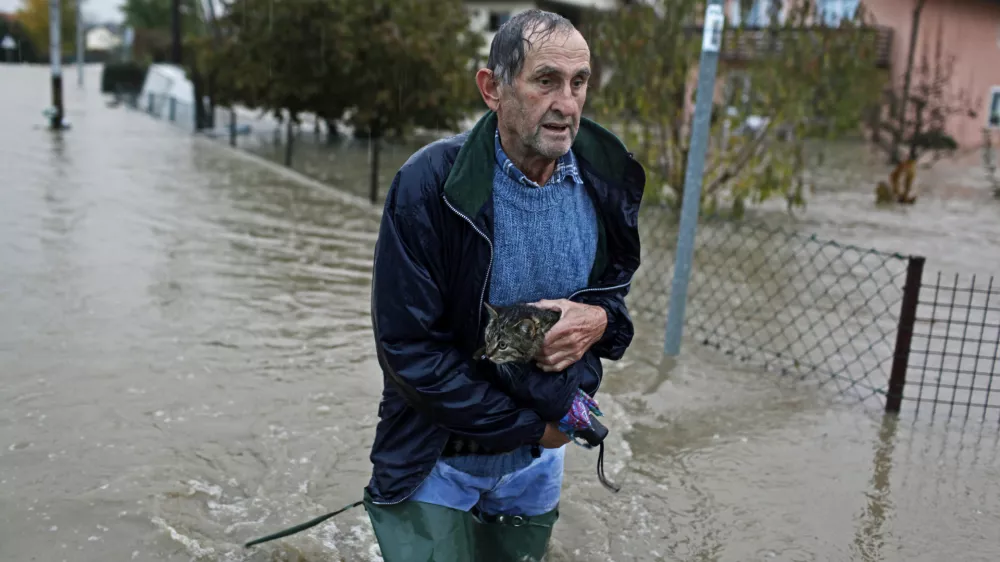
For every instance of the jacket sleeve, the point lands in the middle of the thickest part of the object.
(415, 344)
(620, 330)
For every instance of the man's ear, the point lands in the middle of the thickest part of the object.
(488, 88)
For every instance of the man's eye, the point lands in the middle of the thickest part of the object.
(578, 84)
(545, 81)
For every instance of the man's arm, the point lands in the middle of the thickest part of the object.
(582, 327)
(619, 331)
(600, 321)
(416, 345)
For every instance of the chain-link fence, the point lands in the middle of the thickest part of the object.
(785, 301)
(865, 322)
(954, 356)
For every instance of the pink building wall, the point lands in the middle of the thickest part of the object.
(970, 29)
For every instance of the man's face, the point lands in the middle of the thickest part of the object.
(542, 108)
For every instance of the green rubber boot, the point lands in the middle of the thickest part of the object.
(506, 538)
(422, 532)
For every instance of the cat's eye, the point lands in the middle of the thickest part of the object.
(503, 346)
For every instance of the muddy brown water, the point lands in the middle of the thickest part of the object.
(187, 364)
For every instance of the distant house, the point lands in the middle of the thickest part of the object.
(486, 16)
(969, 31)
(101, 38)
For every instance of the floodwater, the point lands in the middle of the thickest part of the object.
(187, 364)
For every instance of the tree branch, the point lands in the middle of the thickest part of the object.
(748, 151)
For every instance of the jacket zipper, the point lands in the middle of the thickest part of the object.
(600, 380)
(597, 289)
(482, 298)
(489, 268)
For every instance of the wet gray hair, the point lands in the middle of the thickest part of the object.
(507, 51)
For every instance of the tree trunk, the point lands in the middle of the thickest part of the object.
(199, 92)
(176, 50)
(375, 143)
(289, 136)
(907, 79)
(210, 115)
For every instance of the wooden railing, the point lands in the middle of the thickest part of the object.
(752, 44)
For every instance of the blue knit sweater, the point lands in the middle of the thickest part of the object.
(544, 241)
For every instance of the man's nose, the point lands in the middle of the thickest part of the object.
(565, 103)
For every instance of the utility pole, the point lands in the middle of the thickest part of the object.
(79, 43)
(55, 60)
(711, 44)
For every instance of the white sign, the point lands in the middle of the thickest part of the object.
(711, 40)
(8, 43)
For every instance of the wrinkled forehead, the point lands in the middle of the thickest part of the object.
(565, 49)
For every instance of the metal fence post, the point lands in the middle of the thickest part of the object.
(55, 64)
(904, 333)
(691, 205)
(173, 109)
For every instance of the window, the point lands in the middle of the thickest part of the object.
(734, 13)
(993, 117)
(497, 19)
(761, 11)
(834, 11)
(760, 14)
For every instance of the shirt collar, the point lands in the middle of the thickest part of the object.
(566, 168)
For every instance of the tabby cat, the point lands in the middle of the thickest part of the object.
(515, 334)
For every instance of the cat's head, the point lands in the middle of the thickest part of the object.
(510, 338)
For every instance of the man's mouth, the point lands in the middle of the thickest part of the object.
(555, 128)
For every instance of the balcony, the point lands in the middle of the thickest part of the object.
(747, 45)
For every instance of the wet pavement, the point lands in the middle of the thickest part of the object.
(187, 364)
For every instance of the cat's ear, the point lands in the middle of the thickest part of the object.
(527, 327)
(493, 313)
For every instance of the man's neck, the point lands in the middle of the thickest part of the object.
(535, 167)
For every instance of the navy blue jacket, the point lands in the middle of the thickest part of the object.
(431, 276)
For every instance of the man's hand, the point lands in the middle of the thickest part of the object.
(553, 438)
(579, 327)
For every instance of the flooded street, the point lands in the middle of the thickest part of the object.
(186, 363)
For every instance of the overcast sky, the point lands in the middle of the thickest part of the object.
(100, 10)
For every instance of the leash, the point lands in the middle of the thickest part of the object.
(302, 526)
(594, 436)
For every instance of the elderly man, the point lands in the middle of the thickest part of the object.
(534, 204)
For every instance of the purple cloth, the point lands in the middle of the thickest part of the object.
(578, 417)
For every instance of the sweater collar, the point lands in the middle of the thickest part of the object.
(566, 168)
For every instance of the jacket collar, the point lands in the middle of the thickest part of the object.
(470, 181)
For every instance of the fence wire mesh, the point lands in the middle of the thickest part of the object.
(780, 299)
(956, 347)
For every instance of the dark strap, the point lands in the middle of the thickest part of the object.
(302, 526)
(594, 436)
(600, 472)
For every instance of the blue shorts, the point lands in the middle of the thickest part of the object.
(532, 490)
